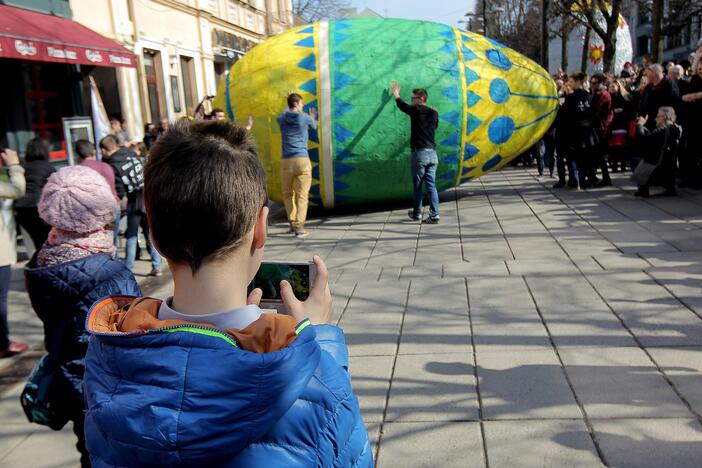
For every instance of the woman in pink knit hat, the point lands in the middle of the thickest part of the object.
(73, 269)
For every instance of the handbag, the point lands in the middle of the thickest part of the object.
(644, 169)
(35, 397)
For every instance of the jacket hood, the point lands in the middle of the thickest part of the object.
(174, 392)
(291, 117)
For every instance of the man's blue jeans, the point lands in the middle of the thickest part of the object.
(424, 162)
(135, 218)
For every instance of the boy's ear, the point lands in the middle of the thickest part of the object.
(260, 231)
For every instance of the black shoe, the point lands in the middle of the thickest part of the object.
(410, 215)
(669, 193)
(431, 221)
(604, 183)
(559, 184)
(641, 193)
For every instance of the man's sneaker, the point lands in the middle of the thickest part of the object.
(155, 272)
(301, 233)
(13, 349)
(559, 184)
(410, 215)
(431, 221)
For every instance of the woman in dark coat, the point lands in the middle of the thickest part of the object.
(617, 140)
(37, 170)
(659, 147)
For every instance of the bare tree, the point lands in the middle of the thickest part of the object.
(602, 17)
(657, 29)
(515, 23)
(315, 10)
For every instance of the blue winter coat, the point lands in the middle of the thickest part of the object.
(61, 296)
(190, 396)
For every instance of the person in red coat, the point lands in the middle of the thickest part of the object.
(602, 114)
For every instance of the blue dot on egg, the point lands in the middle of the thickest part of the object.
(500, 130)
(499, 91)
(492, 162)
(498, 59)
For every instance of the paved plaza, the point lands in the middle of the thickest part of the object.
(531, 327)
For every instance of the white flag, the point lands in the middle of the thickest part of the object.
(101, 124)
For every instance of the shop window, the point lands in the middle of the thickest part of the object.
(187, 71)
(47, 102)
(154, 85)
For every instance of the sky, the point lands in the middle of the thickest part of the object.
(441, 11)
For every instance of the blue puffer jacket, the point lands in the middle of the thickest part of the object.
(189, 395)
(61, 296)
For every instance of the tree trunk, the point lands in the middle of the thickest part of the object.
(610, 39)
(544, 34)
(586, 50)
(564, 50)
(657, 25)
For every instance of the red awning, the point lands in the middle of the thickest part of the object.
(27, 35)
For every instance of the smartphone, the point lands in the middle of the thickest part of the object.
(300, 275)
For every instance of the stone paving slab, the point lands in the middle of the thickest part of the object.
(432, 387)
(524, 384)
(620, 383)
(639, 443)
(683, 367)
(652, 314)
(552, 443)
(429, 445)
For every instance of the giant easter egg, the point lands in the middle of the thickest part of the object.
(493, 103)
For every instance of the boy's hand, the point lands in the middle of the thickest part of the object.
(318, 306)
(313, 113)
(255, 297)
(249, 122)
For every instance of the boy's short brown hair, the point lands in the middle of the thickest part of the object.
(293, 98)
(203, 190)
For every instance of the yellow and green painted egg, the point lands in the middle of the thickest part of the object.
(493, 103)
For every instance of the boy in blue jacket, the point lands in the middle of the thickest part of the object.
(203, 378)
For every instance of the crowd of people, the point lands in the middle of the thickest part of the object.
(611, 123)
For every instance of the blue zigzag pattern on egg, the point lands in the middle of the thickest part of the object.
(310, 63)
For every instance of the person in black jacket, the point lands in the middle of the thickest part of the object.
(576, 129)
(423, 121)
(659, 92)
(659, 147)
(37, 170)
(129, 182)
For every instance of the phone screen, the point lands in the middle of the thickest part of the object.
(270, 275)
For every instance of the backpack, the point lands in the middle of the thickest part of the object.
(36, 396)
(131, 173)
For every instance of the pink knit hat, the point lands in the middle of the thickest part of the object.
(77, 199)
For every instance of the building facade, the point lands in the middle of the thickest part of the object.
(676, 46)
(45, 59)
(183, 49)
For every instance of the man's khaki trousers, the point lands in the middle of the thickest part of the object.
(296, 177)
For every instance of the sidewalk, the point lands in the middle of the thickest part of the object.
(531, 327)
